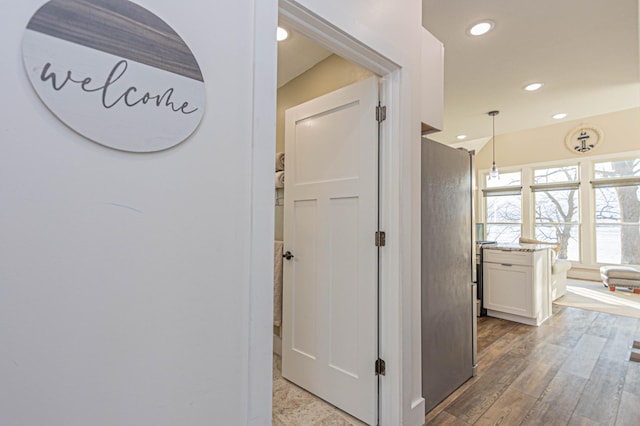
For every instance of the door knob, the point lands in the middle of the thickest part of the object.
(287, 255)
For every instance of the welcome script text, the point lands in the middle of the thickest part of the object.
(129, 97)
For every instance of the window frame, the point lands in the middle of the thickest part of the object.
(557, 186)
(586, 200)
(613, 182)
(498, 191)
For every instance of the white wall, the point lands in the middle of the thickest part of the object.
(125, 279)
(620, 134)
(135, 289)
(432, 107)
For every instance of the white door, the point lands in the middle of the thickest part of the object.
(329, 342)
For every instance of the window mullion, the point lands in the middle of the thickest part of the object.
(587, 214)
(528, 205)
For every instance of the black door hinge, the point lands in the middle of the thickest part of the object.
(381, 239)
(380, 367)
(381, 113)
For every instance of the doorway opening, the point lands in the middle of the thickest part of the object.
(315, 85)
(330, 72)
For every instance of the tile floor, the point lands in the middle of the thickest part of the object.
(293, 406)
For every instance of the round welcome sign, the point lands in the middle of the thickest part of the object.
(115, 73)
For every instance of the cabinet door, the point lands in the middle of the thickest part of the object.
(509, 288)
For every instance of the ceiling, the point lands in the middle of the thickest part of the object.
(586, 52)
(297, 54)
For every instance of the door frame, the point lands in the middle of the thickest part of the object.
(301, 20)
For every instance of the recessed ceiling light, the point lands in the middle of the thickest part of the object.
(533, 87)
(461, 137)
(481, 28)
(281, 34)
(559, 116)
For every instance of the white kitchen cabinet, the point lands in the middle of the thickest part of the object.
(516, 283)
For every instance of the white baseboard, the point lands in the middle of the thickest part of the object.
(584, 274)
(416, 416)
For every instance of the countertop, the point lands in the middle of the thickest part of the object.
(517, 246)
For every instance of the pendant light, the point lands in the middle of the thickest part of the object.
(493, 174)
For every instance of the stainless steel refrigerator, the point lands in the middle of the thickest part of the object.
(448, 291)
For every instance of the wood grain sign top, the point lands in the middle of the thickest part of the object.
(115, 73)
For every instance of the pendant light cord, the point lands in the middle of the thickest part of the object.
(494, 170)
(493, 116)
(493, 141)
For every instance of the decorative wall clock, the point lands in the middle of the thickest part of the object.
(115, 73)
(584, 139)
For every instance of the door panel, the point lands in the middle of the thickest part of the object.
(329, 331)
(343, 291)
(304, 318)
(337, 142)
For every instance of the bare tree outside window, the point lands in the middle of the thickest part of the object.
(503, 208)
(617, 211)
(612, 208)
(504, 218)
(557, 216)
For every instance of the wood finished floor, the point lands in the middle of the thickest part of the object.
(572, 370)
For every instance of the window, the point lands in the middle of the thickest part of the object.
(556, 208)
(617, 211)
(590, 207)
(503, 207)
